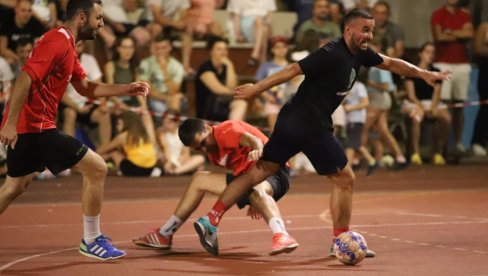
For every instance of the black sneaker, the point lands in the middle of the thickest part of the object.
(372, 168)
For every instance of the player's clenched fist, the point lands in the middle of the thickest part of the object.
(138, 89)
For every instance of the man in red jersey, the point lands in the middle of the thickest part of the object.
(236, 146)
(29, 128)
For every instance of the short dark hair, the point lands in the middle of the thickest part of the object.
(23, 41)
(212, 40)
(188, 129)
(353, 14)
(76, 6)
(162, 37)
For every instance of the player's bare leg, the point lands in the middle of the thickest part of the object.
(261, 199)
(12, 188)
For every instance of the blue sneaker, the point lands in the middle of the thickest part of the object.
(208, 235)
(100, 249)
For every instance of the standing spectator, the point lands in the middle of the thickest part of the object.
(19, 24)
(214, 84)
(275, 97)
(452, 29)
(165, 74)
(480, 134)
(171, 18)
(423, 101)
(380, 85)
(250, 23)
(320, 22)
(178, 159)
(388, 31)
(131, 150)
(79, 109)
(355, 106)
(6, 78)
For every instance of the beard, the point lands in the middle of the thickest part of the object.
(87, 33)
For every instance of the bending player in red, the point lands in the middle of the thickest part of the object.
(236, 146)
(29, 127)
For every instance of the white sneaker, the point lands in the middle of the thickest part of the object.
(460, 148)
(156, 172)
(478, 150)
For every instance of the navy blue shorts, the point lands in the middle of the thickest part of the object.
(297, 130)
(279, 181)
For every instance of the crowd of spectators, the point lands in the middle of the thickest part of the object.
(140, 38)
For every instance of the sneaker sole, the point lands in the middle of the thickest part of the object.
(98, 258)
(286, 249)
(200, 231)
(150, 245)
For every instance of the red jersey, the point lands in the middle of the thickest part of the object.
(231, 154)
(52, 65)
(453, 52)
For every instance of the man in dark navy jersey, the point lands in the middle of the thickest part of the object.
(304, 123)
(29, 126)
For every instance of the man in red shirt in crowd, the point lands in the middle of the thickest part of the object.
(29, 127)
(236, 146)
(452, 29)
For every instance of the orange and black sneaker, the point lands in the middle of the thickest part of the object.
(155, 240)
(283, 243)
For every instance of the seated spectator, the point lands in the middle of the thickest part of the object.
(126, 18)
(6, 78)
(388, 31)
(171, 18)
(79, 109)
(165, 75)
(200, 23)
(250, 23)
(177, 158)
(337, 12)
(131, 150)
(123, 70)
(46, 12)
(214, 84)
(18, 24)
(303, 9)
(275, 97)
(424, 102)
(319, 22)
(23, 51)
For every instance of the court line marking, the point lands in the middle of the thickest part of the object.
(12, 263)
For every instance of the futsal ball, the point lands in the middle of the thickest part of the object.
(350, 248)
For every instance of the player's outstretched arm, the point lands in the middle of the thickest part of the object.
(93, 89)
(8, 134)
(406, 69)
(249, 90)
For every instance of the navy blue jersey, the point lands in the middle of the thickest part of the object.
(330, 73)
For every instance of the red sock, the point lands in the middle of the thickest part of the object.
(217, 212)
(338, 231)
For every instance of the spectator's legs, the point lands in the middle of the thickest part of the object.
(69, 121)
(442, 129)
(102, 118)
(238, 109)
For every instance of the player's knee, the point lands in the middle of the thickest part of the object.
(98, 170)
(346, 179)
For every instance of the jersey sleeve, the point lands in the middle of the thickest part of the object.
(46, 53)
(370, 58)
(317, 62)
